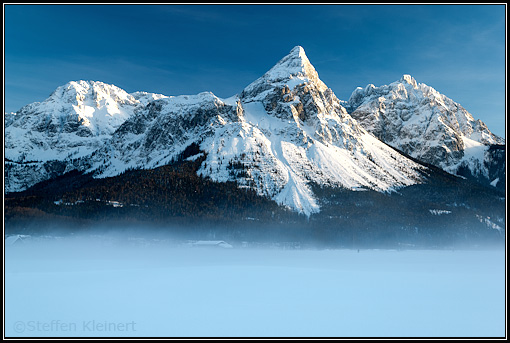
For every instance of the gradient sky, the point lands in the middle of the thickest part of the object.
(186, 49)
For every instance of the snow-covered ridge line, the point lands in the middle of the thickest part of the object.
(283, 132)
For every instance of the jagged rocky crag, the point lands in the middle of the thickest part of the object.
(425, 124)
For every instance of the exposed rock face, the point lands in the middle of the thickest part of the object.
(425, 124)
(160, 131)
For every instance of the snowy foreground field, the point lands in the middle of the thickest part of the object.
(92, 288)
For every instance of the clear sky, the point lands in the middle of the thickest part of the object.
(186, 49)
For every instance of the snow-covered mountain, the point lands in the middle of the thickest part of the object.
(284, 132)
(282, 136)
(427, 125)
(77, 119)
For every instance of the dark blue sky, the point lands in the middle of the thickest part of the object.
(186, 49)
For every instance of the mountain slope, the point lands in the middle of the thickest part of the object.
(425, 124)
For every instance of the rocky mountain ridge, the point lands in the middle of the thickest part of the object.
(284, 133)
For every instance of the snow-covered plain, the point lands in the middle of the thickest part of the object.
(121, 287)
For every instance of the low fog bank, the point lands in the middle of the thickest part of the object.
(308, 235)
(157, 285)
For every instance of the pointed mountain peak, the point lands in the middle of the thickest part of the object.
(293, 69)
(406, 78)
(296, 63)
(298, 51)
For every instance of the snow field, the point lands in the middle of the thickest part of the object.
(169, 290)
